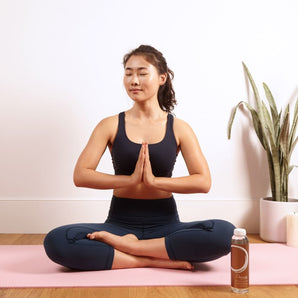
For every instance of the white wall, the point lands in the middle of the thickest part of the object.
(61, 72)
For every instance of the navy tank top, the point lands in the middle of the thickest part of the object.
(162, 154)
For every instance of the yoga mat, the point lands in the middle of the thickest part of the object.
(28, 266)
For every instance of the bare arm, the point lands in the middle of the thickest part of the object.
(199, 178)
(85, 174)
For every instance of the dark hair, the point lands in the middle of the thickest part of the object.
(166, 93)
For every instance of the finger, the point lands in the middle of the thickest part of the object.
(141, 159)
(144, 148)
(142, 152)
(147, 163)
(139, 167)
(147, 153)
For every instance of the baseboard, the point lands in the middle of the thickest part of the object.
(40, 216)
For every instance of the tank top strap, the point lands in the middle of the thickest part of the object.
(170, 129)
(170, 121)
(121, 124)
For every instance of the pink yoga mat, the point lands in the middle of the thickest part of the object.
(28, 266)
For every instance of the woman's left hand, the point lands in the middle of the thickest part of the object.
(148, 177)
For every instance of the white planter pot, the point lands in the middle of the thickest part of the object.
(273, 219)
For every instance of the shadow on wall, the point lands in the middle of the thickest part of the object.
(256, 163)
(257, 173)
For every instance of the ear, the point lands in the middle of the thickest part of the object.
(163, 78)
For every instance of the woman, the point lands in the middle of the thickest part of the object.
(143, 228)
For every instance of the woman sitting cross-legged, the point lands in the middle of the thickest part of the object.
(142, 228)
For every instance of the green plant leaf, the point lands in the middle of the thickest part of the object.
(291, 168)
(254, 87)
(293, 147)
(276, 174)
(294, 128)
(273, 108)
(255, 120)
(271, 173)
(232, 119)
(257, 99)
(268, 125)
(284, 133)
(276, 134)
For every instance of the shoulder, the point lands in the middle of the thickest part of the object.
(181, 126)
(108, 122)
(182, 130)
(107, 127)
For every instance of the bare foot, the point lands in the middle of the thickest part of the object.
(170, 264)
(124, 260)
(147, 253)
(127, 252)
(122, 243)
(107, 237)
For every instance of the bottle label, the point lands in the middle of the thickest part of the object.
(239, 266)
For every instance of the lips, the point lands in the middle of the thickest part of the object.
(135, 90)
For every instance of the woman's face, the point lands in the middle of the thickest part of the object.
(141, 79)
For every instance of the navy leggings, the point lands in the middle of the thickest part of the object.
(198, 241)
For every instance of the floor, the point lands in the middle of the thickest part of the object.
(290, 291)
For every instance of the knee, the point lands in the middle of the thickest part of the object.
(219, 240)
(69, 247)
(224, 233)
(54, 244)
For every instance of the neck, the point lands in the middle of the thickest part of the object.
(152, 111)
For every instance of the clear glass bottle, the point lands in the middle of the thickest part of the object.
(240, 262)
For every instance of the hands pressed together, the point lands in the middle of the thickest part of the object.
(143, 171)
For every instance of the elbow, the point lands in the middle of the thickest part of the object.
(77, 182)
(206, 188)
(77, 179)
(204, 185)
(207, 185)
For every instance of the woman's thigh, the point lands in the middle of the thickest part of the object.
(199, 241)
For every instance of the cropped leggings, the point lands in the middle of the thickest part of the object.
(198, 241)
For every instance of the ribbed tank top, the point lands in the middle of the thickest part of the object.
(162, 154)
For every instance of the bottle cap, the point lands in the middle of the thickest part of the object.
(240, 232)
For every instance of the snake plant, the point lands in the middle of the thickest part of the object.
(276, 134)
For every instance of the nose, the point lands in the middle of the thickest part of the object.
(134, 80)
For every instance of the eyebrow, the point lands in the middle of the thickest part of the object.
(138, 68)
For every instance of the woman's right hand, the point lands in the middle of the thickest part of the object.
(137, 175)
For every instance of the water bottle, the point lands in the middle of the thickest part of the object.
(240, 262)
